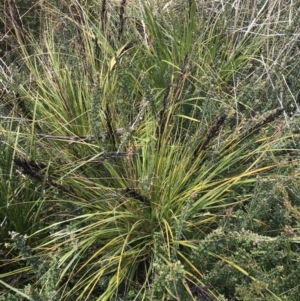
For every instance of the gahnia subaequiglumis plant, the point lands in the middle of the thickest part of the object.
(137, 160)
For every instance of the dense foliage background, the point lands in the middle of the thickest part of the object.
(149, 150)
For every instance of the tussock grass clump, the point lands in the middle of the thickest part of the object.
(145, 151)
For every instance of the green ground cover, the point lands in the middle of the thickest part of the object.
(149, 150)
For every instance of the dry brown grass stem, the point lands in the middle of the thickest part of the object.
(270, 118)
(110, 130)
(121, 17)
(162, 113)
(175, 97)
(103, 15)
(213, 132)
(70, 139)
(181, 79)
